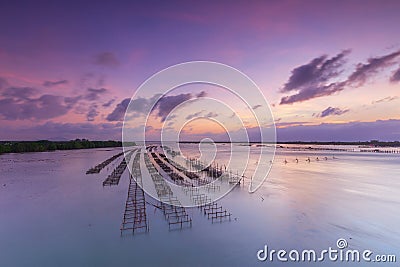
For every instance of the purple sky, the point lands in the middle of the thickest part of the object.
(330, 69)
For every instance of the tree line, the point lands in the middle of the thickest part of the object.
(372, 143)
(46, 145)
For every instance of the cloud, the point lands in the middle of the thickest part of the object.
(107, 59)
(109, 103)
(194, 115)
(319, 77)
(92, 113)
(317, 71)
(167, 103)
(25, 103)
(94, 94)
(43, 107)
(171, 117)
(71, 101)
(396, 76)
(374, 65)
(202, 94)
(330, 111)
(141, 105)
(314, 78)
(386, 99)
(118, 113)
(55, 83)
(211, 115)
(257, 106)
(313, 92)
(18, 93)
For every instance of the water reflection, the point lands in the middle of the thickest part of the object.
(55, 214)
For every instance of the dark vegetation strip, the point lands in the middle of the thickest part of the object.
(45, 145)
(372, 143)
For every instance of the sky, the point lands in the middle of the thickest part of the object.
(330, 70)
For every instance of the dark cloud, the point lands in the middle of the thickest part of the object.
(211, 115)
(140, 106)
(55, 83)
(318, 77)
(314, 79)
(92, 113)
(373, 66)
(109, 103)
(94, 94)
(396, 76)
(43, 107)
(330, 111)
(317, 71)
(24, 103)
(107, 59)
(18, 93)
(198, 115)
(163, 106)
(202, 94)
(171, 117)
(143, 105)
(71, 101)
(386, 99)
(194, 115)
(167, 103)
(119, 111)
(257, 106)
(313, 92)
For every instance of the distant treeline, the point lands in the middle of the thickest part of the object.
(372, 143)
(45, 145)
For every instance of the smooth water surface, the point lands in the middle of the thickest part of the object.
(53, 214)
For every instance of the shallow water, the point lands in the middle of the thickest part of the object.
(52, 214)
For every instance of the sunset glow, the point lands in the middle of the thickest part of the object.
(324, 67)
